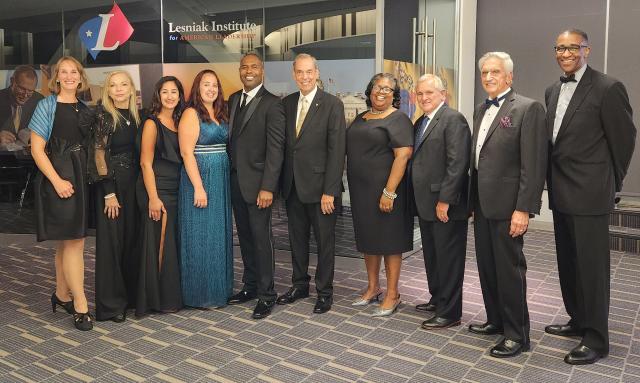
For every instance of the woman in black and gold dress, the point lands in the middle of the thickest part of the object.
(157, 192)
(114, 166)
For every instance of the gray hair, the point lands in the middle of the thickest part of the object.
(506, 60)
(437, 81)
(301, 56)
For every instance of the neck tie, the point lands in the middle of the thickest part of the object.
(421, 130)
(244, 100)
(16, 117)
(569, 78)
(494, 101)
(302, 115)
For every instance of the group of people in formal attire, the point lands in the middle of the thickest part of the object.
(163, 238)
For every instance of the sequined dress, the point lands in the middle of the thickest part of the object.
(206, 253)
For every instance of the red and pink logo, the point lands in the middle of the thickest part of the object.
(106, 32)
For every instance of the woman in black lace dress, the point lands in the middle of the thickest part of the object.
(114, 166)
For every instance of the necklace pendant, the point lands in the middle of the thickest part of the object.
(128, 122)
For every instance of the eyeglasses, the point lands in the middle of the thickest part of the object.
(382, 89)
(573, 49)
(23, 90)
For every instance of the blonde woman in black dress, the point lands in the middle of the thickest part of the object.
(60, 153)
(379, 145)
(114, 165)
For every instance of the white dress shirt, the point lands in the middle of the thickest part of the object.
(250, 94)
(309, 98)
(487, 121)
(567, 90)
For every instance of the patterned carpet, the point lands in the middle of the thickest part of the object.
(295, 345)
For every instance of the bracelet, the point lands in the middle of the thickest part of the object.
(110, 195)
(389, 194)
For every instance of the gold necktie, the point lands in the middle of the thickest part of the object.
(303, 114)
(16, 117)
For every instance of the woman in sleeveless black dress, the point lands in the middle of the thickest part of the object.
(58, 147)
(157, 193)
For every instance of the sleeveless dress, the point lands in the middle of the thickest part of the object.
(206, 252)
(64, 218)
(159, 277)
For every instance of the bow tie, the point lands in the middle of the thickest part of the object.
(494, 101)
(569, 78)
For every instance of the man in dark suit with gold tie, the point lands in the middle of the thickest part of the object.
(312, 179)
(256, 150)
(508, 162)
(17, 103)
(592, 138)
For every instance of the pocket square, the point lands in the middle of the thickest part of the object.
(505, 122)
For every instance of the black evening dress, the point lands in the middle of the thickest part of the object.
(370, 145)
(117, 166)
(64, 218)
(159, 277)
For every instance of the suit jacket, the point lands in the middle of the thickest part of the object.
(593, 147)
(440, 164)
(513, 158)
(259, 142)
(315, 159)
(6, 118)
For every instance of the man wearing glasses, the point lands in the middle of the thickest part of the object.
(17, 103)
(589, 121)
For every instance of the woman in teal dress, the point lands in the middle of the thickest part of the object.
(204, 200)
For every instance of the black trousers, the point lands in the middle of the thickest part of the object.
(444, 246)
(584, 267)
(502, 270)
(301, 218)
(117, 260)
(256, 243)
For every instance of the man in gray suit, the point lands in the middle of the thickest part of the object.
(312, 179)
(439, 179)
(508, 164)
(256, 151)
(592, 138)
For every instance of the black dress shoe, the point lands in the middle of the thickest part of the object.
(83, 321)
(262, 309)
(563, 330)
(119, 318)
(292, 295)
(241, 297)
(323, 304)
(582, 354)
(508, 348)
(426, 307)
(437, 323)
(485, 329)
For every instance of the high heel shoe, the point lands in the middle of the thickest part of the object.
(364, 302)
(67, 306)
(381, 312)
(83, 321)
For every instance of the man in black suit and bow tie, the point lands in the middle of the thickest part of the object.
(439, 179)
(256, 150)
(508, 164)
(592, 135)
(312, 179)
